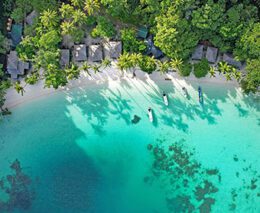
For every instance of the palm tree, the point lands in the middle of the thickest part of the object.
(106, 63)
(228, 76)
(77, 3)
(19, 88)
(92, 6)
(237, 74)
(212, 71)
(96, 68)
(49, 19)
(163, 67)
(135, 58)
(223, 67)
(176, 63)
(86, 67)
(66, 10)
(67, 27)
(72, 72)
(124, 62)
(33, 78)
(79, 17)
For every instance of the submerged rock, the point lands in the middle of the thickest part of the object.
(180, 203)
(205, 207)
(136, 119)
(18, 187)
(149, 146)
(212, 171)
(176, 165)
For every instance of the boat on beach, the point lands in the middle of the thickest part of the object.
(185, 92)
(200, 95)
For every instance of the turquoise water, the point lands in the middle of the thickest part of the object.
(82, 153)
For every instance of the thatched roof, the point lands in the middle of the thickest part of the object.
(64, 57)
(198, 53)
(212, 54)
(22, 66)
(67, 41)
(113, 49)
(89, 40)
(95, 53)
(14, 66)
(31, 17)
(230, 60)
(80, 52)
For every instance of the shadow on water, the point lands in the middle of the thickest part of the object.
(120, 106)
(98, 103)
(178, 108)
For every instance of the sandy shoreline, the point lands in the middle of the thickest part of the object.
(113, 76)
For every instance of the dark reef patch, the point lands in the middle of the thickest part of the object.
(18, 188)
(190, 186)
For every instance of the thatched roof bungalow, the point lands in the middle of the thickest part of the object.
(80, 53)
(95, 53)
(113, 49)
(64, 57)
(15, 67)
(230, 60)
(198, 53)
(31, 17)
(212, 54)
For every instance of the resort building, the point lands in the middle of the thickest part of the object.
(89, 40)
(113, 49)
(212, 54)
(67, 41)
(15, 67)
(31, 17)
(198, 53)
(152, 49)
(231, 61)
(95, 53)
(64, 57)
(80, 53)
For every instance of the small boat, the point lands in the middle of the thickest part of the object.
(150, 114)
(185, 92)
(165, 99)
(200, 95)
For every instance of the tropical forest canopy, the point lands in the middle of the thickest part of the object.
(177, 26)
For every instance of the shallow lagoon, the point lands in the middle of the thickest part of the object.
(83, 154)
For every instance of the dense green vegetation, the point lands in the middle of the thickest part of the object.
(178, 26)
(131, 43)
(201, 69)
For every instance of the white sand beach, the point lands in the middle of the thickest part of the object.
(113, 76)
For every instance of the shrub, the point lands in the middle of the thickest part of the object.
(104, 28)
(131, 44)
(184, 69)
(201, 69)
(147, 64)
